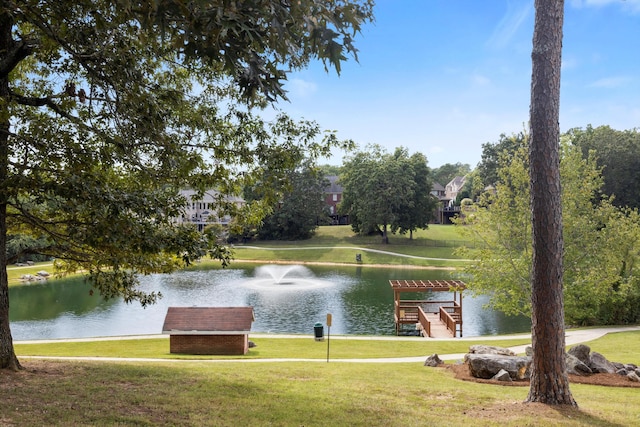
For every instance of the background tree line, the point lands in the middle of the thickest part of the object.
(602, 238)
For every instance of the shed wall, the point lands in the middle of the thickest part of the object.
(209, 344)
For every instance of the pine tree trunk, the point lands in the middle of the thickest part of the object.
(8, 359)
(549, 380)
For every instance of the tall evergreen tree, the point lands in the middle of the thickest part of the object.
(549, 380)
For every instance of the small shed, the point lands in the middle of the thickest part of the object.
(208, 330)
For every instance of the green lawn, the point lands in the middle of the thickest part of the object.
(219, 391)
(266, 348)
(434, 247)
(202, 393)
(15, 272)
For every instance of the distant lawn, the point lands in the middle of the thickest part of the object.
(445, 257)
(15, 272)
(343, 235)
(330, 244)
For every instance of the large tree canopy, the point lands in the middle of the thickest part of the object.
(601, 244)
(493, 154)
(383, 191)
(618, 154)
(108, 108)
(301, 209)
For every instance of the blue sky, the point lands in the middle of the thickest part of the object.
(444, 77)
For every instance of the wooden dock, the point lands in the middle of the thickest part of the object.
(433, 318)
(438, 328)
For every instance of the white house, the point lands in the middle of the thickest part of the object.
(202, 211)
(453, 188)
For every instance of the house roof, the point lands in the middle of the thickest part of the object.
(333, 187)
(437, 187)
(458, 181)
(208, 321)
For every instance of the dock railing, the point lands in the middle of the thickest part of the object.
(451, 316)
(415, 312)
(424, 321)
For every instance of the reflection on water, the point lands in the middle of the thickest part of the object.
(359, 299)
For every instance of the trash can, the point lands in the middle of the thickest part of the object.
(318, 330)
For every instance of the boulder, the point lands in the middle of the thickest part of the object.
(618, 365)
(488, 365)
(433, 361)
(581, 352)
(489, 349)
(576, 366)
(502, 375)
(599, 364)
(633, 377)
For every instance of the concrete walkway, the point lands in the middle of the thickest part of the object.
(572, 337)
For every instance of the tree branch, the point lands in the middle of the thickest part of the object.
(18, 51)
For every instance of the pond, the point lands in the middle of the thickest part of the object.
(286, 299)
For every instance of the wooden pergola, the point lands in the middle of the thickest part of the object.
(434, 317)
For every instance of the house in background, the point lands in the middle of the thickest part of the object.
(439, 193)
(332, 198)
(453, 188)
(447, 197)
(202, 211)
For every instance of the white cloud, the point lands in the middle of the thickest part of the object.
(480, 80)
(610, 82)
(436, 149)
(569, 63)
(509, 24)
(301, 88)
(632, 6)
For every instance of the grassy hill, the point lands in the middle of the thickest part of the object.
(434, 247)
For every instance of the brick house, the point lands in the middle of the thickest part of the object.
(332, 198)
(208, 330)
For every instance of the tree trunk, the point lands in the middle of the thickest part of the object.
(549, 380)
(8, 359)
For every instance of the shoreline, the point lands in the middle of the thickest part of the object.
(345, 264)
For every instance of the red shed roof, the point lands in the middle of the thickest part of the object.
(208, 320)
